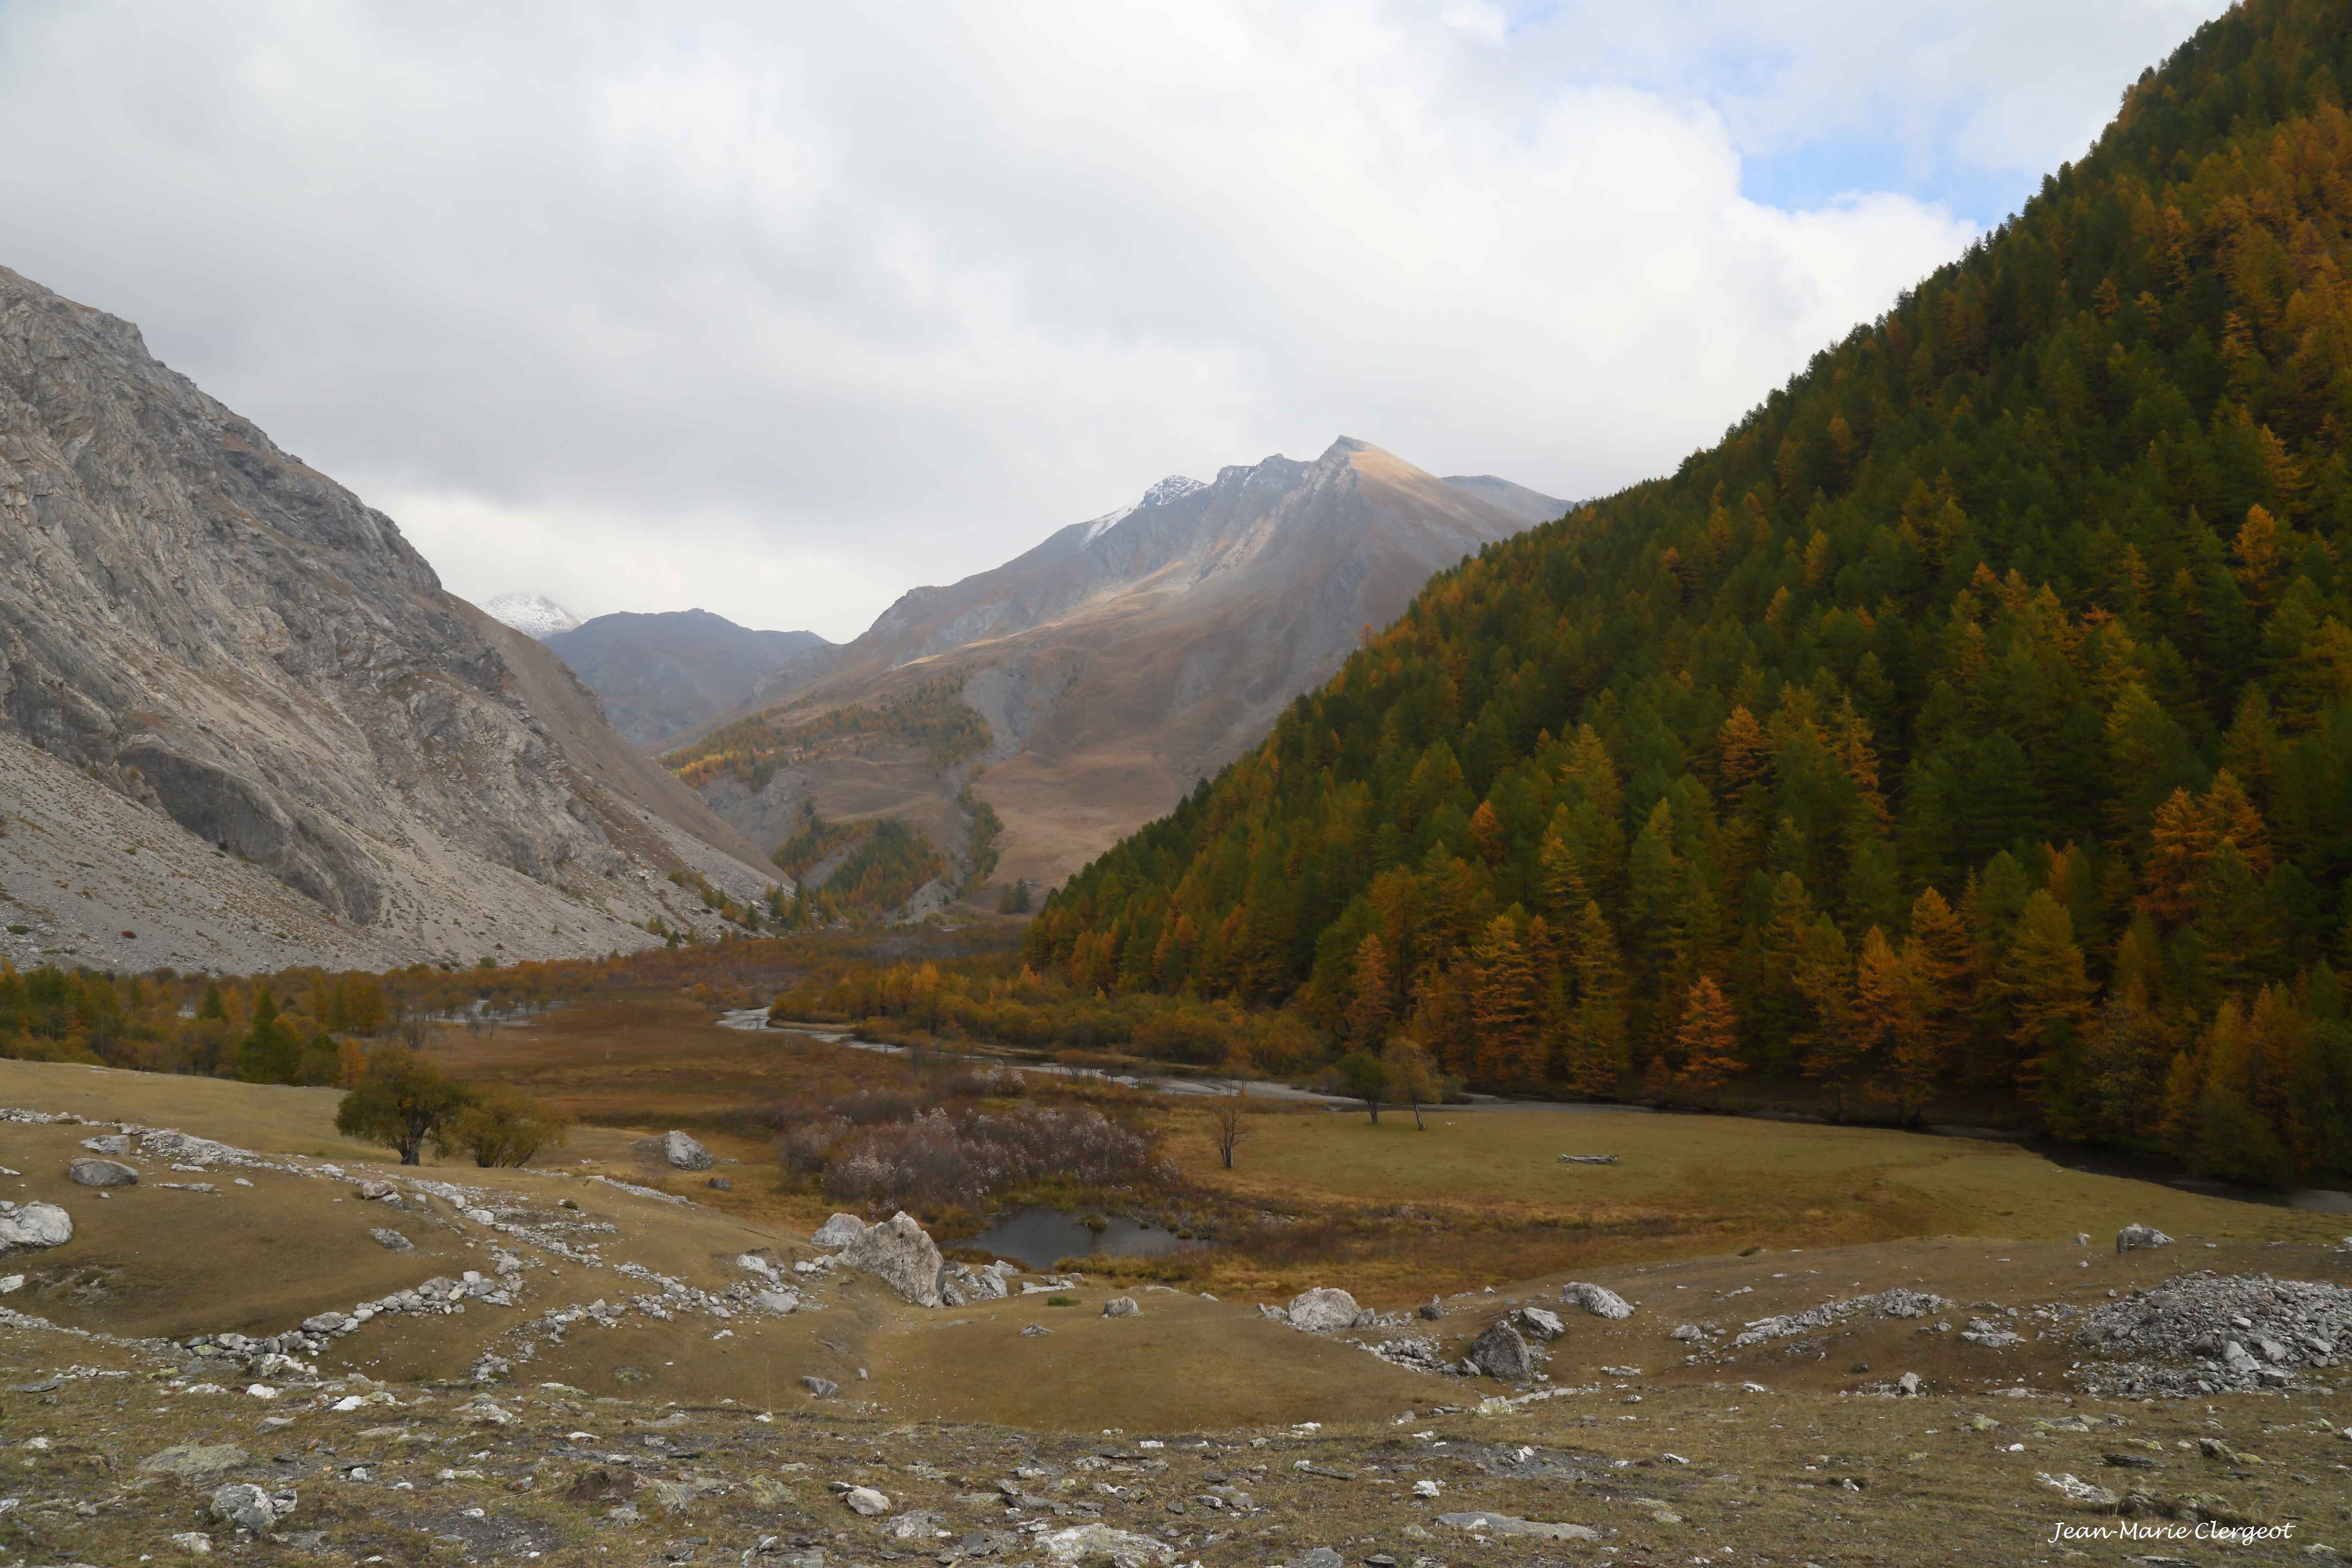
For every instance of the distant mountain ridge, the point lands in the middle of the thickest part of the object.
(660, 673)
(1118, 660)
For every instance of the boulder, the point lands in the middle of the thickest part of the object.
(719, 1184)
(1120, 1307)
(900, 1254)
(250, 1508)
(1315, 1557)
(1597, 1300)
(865, 1500)
(29, 1227)
(93, 1172)
(2132, 1237)
(186, 1149)
(1432, 1309)
(392, 1240)
(1485, 1523)
(1537, 1323)
(679, 1151)
(374, 1192)
(114, 1143)
(194, 1542)
(195, 1461)
(839, 1231)
(821, 1388)
(1502, 1355)
(1101, 1546)
(1323, 1312)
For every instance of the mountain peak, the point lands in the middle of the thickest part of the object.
(533, 615)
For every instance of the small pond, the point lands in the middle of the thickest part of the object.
(1039, 1238)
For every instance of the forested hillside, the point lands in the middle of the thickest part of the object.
(1976, 717)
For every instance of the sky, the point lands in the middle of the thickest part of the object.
(780, 309)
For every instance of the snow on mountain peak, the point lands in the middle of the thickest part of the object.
(1172, 487)
(533, 615)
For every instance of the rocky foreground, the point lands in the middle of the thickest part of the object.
(210, 1350)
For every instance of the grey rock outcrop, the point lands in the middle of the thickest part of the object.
(1597, 1300)
(901, 1254)
(1101, 1546)
(250, 1508)
(1323, 1310)
(1538, 1323)
(2135, 1237)
(392, 1240)
(1486, 1523)
(195, 1461)
(1120, 1307)
(33, 1227)
(839, 1231)
(1502, 1355)
(677, 1151)
(207, 629)
(91, 1173)
(822, 1387)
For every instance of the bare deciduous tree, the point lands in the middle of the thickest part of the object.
(1225, 1121)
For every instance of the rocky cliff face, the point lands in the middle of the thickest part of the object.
(204, 624)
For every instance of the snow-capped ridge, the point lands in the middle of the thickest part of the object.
(1175, 487)
(533, 615)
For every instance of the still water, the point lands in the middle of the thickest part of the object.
(1039, 1238)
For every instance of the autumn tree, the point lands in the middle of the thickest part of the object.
(1707, 1045)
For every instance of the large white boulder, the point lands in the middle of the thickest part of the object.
(839, 1231)
(900, 1254)
(29, 1227)
(679, 1151)
(1597, 1300)
(1323, 1312)
(2132, 1237)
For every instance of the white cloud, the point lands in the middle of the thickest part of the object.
(780, 311)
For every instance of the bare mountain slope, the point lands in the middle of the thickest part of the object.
(657, 674)
(207, 628)
(1116, 662)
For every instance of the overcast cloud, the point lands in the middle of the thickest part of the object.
(780, 309)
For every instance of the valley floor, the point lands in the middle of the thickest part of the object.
(617, 1381)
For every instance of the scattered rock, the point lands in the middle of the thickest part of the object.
(822, 1387)
(1315, 1557)
(1688, 1333)
(918, 1525)
(1588, 1159)
(2134, 1237)
(93, 1172)
(195, 1461)
(195, 1543)
(865, 1500)
(1907, 1385)
(1323, 1312)
(29, 1227)
(392, 1240)
(719, 1184)
(175, 1148)
(901, 1254)
(376, 1192)
(1033, 1330)
(250, 1508)
(839, 1231)
(1120, 1307)
(2189, 1337)
(1597, 1300)
(1485, 1523)
(1895, 1303)
(1432, 1309)
(111, 1143)
(2082, 1492)
(1502, 1355)
(1093, 1545)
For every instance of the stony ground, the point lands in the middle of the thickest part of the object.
(575, 1367)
